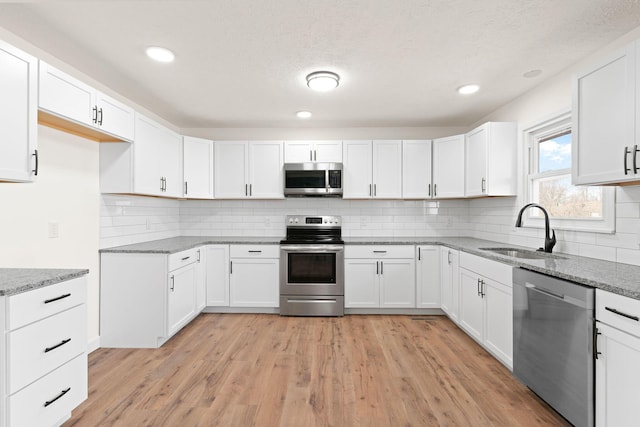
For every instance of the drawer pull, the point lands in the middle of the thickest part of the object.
(62, 393)
(255, 252)
(379, 252)
(186, 258)
(63, 342)
(47, 301)
(619, 313)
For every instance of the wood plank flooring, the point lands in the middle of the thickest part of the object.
(267, 370)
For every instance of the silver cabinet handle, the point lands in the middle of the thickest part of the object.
(483, 185)
(198, 252)
(449, 257)
(173, 282)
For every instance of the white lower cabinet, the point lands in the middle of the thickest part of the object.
(145, 298)
(449, 282)
(379, 276)
(486, 306)
(428, 277)
(43, 376)
(618, 360)
(217, 275)
(254, 276)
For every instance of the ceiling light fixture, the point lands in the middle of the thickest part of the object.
(160, 54)
(468, 89)
(303, 114)
(531, 74)
(323, 81)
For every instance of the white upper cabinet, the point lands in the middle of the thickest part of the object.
(18, 115)
(490, 160)
(313, 151)
(448, 167)
(605, 113)
(416, 170)
(249, 169)
(197, 167)
(68, 98)
(152, 165)
(372, 169)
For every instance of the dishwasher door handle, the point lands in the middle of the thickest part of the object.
(543, 291)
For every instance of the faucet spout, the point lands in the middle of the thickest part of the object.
(549, 234)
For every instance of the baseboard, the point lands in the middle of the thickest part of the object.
(93, 344)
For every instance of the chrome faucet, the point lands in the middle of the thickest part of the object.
(549, 240)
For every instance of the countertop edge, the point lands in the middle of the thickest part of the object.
(53, 277)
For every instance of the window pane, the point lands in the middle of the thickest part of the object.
(563, 200)
(555, 153)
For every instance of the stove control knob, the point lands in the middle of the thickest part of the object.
(295, 220)
(290, 220)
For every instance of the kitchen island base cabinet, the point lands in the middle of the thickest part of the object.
(146, 298)
(254, 276)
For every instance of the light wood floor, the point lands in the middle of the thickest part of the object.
(267, 370)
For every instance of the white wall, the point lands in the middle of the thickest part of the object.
(67, 192)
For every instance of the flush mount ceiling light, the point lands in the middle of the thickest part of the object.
(531, 74)
(160, 54)
(468, 89)
(303, 114)
(323, 81)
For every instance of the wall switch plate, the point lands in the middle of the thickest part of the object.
(54, 230)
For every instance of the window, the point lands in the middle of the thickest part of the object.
(549, 182)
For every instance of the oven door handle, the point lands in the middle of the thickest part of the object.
(312, 248)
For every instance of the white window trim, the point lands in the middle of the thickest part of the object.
(606, 224)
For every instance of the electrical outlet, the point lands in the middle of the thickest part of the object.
(54, 230)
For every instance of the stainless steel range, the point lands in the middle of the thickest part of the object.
(312, 267)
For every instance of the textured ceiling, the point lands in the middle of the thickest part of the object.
(241, 63)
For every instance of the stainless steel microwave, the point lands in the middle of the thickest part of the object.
(312, 179)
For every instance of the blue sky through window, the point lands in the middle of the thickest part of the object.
(555, 153)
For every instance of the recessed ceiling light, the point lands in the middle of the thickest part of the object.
(531, 74)
(160, 54)
(323, 81)
(468, 89)
(303, 114)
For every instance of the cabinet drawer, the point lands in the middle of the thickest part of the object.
(379, 251)
(27, 407)
(183, 258)
(30, 306)
(43, 346)
(254, 251)
(618, 311)
(495, 270)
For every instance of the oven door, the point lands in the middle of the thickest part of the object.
(312, 270)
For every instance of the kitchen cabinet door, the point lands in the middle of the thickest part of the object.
(181, 299)
(328, 152)
(617, 377)
(357, 158)
(450, 282)
(18, 115)
(416, 169)
(201, 280)
(266, 178)
(198, 168)
(298, 151)
(605, 129)
(498, 326)
(114, 117)
(428, 277)
(254, 282)
(387, 169)
(66, 96)
(231, 161)
(490, 160)
(397, 283)
(217, 275)
(313, 151)
(448, 167)
(471, 304)
(361, 285)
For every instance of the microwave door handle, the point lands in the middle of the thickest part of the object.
(326, 180)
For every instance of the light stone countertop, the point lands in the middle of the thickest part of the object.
(623, 279)
(17, 280)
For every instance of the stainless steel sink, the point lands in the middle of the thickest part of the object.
(522, 253)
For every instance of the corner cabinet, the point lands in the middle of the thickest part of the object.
(486, 306)
(490, 160)
(152, 165)
(617, 350)
(18, 115)
(249, 169)
(146, 298)
(44, 372)
(379, 276)
(66, 102)
(605, 120)
(448, 167)
(372, 169)
(197, 164)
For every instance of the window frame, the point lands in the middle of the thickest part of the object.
(553, 125)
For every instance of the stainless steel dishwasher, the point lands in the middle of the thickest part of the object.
(553, 342)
